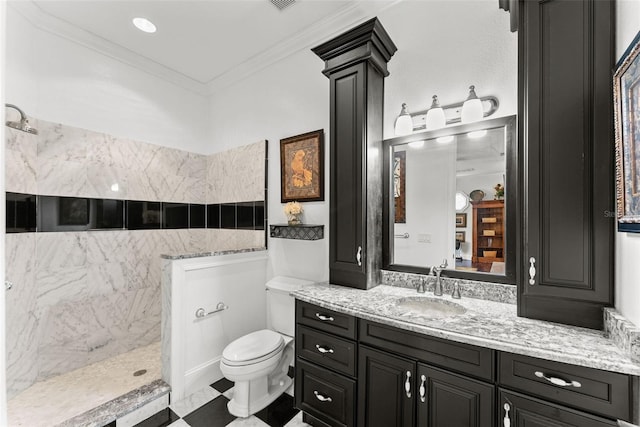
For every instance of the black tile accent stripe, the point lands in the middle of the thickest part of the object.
(40, 213)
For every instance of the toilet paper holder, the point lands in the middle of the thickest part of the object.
(201, 313)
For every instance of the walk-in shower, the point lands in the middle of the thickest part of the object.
(23, 124)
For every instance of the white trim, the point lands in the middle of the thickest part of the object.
(346, 17)
(3, 61)
(45, 22)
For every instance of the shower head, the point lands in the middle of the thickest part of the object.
(23, 124)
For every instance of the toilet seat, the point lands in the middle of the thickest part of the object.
(253, 348)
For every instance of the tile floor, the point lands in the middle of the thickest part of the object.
(208, 408)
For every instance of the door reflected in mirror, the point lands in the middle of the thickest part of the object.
(450, 196)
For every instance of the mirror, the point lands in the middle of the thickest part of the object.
(450, 194)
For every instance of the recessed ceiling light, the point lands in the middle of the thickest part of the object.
(143, 24)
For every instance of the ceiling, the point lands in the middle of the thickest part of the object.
(201, 44)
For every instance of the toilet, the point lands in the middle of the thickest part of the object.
(258, 362)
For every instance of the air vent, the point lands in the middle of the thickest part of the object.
(281, 4)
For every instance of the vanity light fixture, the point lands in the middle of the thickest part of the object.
(472, 110)
(404, 124)
(445, 139)
(477, 134)
(431, 119)
(143, 24)
(435, 115)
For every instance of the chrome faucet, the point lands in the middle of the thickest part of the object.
(436, 271)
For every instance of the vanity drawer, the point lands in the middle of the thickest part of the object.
(326, 350)
(464, 358)
(325, 320)
(601, 392)
(325, 395)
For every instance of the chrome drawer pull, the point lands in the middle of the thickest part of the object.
(423, 389)
(407, 384)
(558, 381)
(532, 271)
(322, 398)
(324, 318)
(506, 422)
(323, 350)
(359, 256)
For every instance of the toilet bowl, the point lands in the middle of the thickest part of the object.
(258, 363)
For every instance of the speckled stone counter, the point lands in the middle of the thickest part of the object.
(485, 323)
(205, 254)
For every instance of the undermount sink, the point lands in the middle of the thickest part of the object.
(428, 307)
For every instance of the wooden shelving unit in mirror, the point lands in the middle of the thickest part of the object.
(488, 231)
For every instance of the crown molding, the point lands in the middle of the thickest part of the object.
(56, 26)
(329, 27)
(352, 14)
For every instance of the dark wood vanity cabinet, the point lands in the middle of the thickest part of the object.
(355, 372)
(398, 384)
(519, 410)
(356, 64)
(566, 54)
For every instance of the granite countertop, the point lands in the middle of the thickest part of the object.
(211, 253)
(485, 323)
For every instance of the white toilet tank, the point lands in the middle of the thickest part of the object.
(281, 305)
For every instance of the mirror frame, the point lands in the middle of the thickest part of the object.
(513, 200)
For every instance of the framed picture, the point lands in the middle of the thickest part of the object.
(302, 167)
(460, 236)
(461, 220)
(399, 179)
(626, 94)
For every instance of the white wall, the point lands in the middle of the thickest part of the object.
(287, 99)
(3, 390)
(627, 298)
(435, 55)
(443, 48)
(61, 81)
(430, 207)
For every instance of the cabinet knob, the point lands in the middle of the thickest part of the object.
(532, 271)
(407, 384)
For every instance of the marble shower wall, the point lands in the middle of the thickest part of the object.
(237, 175)
(80, 297)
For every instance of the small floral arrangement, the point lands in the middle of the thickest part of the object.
(499, 191)
(293, 208)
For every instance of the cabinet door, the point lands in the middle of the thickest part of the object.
(566, 126)
(447, 399)
(386, 389)
(348, 183)
(516, 410)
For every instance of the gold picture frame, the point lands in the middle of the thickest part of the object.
(302, 167)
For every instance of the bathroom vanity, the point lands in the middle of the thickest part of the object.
(371, 358)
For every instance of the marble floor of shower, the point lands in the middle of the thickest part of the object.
(89, 392)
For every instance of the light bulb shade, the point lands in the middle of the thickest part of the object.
(404, 124)
(472, 110)
(435, 115)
